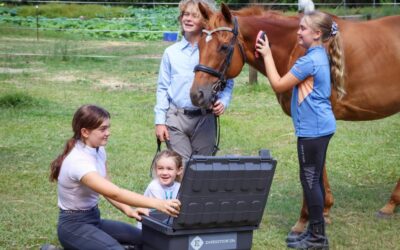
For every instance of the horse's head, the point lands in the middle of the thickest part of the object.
(221, 55)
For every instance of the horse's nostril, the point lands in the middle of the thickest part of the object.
(200, 94)
(197, 97)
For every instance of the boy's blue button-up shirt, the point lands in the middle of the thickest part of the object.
(176, 77)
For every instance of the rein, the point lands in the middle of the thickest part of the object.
(220, 84)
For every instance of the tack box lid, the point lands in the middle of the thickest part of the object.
(224, 191)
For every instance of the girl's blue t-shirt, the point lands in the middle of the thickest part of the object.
(311, 109)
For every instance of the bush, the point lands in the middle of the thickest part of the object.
(15, 100)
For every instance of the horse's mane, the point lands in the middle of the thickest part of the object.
(261, 12)
(256, 12)
(249, 11)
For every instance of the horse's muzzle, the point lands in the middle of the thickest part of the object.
(202, 97)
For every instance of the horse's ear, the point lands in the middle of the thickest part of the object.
(205, 11)
(226, 12)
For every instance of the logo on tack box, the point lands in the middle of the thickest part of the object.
(213, 242)
(197, 243)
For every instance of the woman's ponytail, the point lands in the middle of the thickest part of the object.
(55, 165)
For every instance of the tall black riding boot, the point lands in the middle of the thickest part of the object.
(316, 239)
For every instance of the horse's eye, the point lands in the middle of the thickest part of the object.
(223, 48)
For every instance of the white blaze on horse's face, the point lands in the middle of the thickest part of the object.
(210, 32)
(208, 38)
(211, 72)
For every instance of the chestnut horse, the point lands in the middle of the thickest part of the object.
(372, 62)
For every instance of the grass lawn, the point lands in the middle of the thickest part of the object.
(39, 94)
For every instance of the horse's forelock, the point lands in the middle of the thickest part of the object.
(217, 21)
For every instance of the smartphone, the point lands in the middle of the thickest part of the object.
(261, 35)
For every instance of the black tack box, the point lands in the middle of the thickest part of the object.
(223, 200)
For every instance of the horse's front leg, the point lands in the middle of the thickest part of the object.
(328, 198)
(301, 224)
(388, 209)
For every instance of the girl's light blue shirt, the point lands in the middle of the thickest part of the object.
(313, 116)
(176, 77)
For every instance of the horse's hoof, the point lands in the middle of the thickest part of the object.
(382, 215)
(327, 220)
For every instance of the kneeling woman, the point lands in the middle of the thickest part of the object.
(81, 173)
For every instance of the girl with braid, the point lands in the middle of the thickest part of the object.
(311, 111)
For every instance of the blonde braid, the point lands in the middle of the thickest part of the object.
(330, 33)
(337, 64)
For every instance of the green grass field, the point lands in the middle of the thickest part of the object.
(39, 94)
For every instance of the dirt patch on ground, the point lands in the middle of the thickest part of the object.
(112, 83)
(156, 56)
(113, 43)
(65, 77)
(17, 71)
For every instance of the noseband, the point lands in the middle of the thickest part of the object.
(220, 84)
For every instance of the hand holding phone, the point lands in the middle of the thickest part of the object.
(260, 36)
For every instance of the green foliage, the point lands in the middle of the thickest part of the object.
(70, 11)
(131, 23)
(8, 11)
(99, 22)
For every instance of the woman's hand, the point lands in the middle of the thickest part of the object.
(136, 212)
(170, 207)
(263, 46)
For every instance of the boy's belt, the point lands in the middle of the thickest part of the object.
(197, 112)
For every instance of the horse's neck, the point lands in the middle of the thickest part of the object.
(283, 39)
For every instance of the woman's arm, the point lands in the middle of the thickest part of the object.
(111, 191)
(279, 84)
(128, 210)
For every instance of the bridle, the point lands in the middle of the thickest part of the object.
(220, 83)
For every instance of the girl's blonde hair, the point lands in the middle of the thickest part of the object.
(167, 153)
(330, 32)
(87, 116)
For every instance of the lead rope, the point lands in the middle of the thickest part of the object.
(158, 150)
(218, 135)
